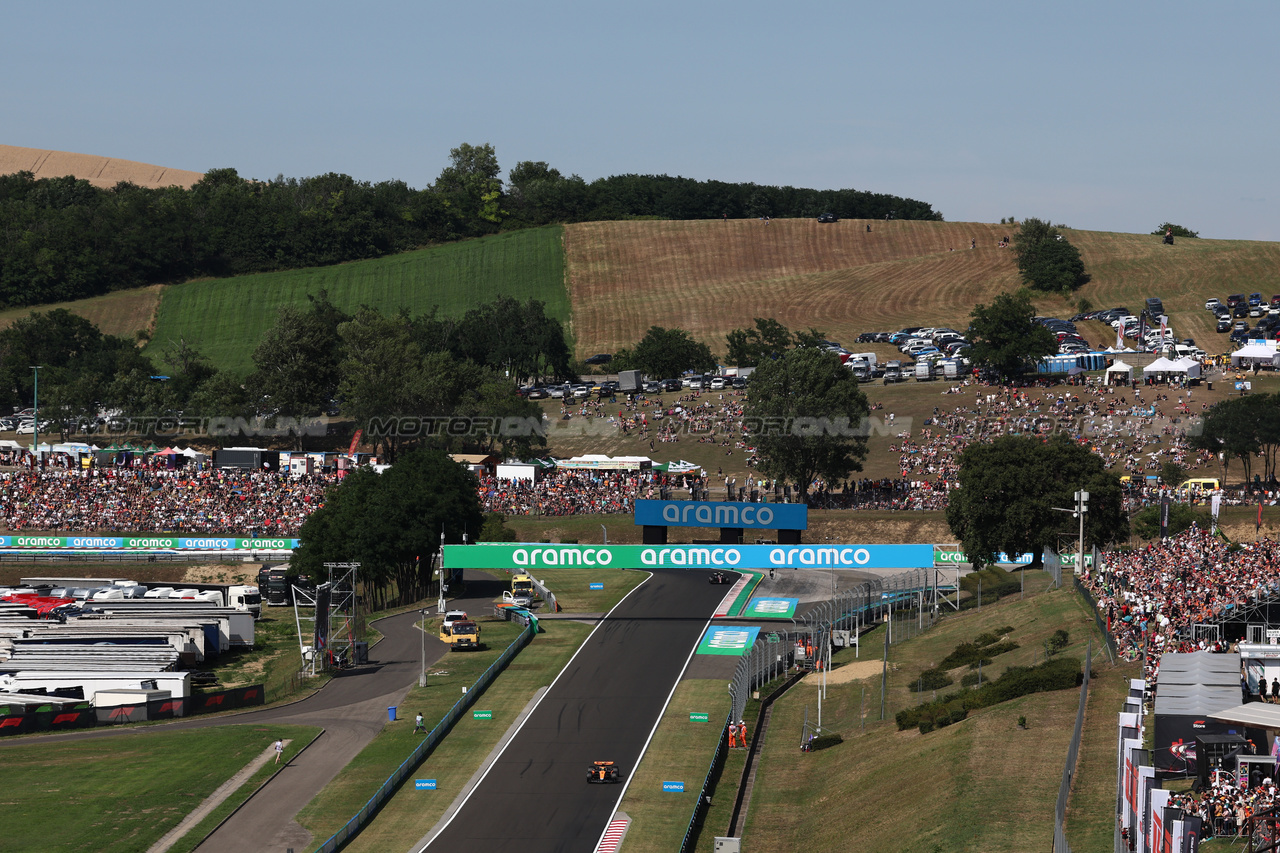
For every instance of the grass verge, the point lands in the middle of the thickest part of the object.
(410, 813)
(984, 783)
(681, 750)
(122, 793)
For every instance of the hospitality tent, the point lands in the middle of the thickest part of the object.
(1187, 367)
(1119, 373)
(1261, 353)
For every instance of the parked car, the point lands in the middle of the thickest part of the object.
(1211, 303)
(717, 383)
(1224, 324)
(600, 358)
(1235, 299)
(828, 217)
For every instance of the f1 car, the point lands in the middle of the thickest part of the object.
(719, 577)
(604, 771)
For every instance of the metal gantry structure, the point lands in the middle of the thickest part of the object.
(327, 620)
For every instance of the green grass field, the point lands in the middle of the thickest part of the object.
(225, 318)
(121, 794)
(953, 789)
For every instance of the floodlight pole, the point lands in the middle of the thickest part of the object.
(422, 677)
(440, 605)
(35, 421)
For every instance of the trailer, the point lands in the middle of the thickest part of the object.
(247, 459)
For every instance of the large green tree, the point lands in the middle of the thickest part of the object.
(1242, 428)
(1006, 337)
(1046, 260)
(1176, 230)
(664, 353)
(297, 361)
(806, 416)
(391, 523)
(767, 339)
(1008, 489)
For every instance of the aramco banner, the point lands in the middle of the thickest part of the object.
(747, 516)
(506, 555)
(150, 543)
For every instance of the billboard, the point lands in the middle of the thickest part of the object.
(748, 516)
(149, 543)
(530, 556)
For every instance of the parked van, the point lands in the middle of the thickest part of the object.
(924, 370)
(1202, 484)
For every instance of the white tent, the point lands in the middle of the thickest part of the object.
(1120, 371)
(1256, 352)
(1161, 365)
(1189, 366)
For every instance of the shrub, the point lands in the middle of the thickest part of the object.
(981, 662)
(1059, 641)
(969, 679)
(926, 726)
(932, 679)
(1055, 674)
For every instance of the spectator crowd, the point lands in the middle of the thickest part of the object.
(216, 502)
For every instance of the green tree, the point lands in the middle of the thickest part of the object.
(1176, 230)
(495, 529)
(1046, 260)
(297, 361)
(471, 184)
(808, 415)
(748, 347)
(1146, 522)
(1008, 488)
(1242, 428)
(1172, 474)
(1006, 337)
(665, 353)
(392, 523)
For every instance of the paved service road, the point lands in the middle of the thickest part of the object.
(536, 798)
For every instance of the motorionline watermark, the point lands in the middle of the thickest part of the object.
(504, 426)
(278, 426)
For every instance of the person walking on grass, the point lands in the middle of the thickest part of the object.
(279, 748)
(418, 725)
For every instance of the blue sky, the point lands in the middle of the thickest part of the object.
(1105, 116)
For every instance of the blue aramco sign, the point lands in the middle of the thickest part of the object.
(722, 514)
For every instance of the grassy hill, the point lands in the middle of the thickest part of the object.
(710, 277)
(225, 318)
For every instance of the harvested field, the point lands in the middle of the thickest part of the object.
(710, 277)
(99, 171)
(123, 313)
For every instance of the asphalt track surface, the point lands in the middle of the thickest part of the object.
(604, 705)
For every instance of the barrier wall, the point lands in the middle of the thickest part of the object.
(83, 716)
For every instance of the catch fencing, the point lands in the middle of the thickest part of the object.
(867, 604)
(1069, 769)
(424, 747)
(699, 808)
(1108, 641)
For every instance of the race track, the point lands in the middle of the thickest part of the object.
(604, 705)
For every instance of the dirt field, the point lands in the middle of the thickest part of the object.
(712, 277)
(99, 171)
(123, 313)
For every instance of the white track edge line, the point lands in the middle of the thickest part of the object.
(657, 722)
(547, 692)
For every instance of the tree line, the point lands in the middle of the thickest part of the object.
(63, 238)
(400, 378)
